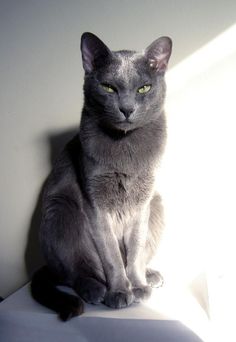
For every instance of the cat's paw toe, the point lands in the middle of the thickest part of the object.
(119, 299)
(142, 293)
(154, 278)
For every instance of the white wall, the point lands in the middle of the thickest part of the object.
(41, 92)
(198, 180)
(199, 166)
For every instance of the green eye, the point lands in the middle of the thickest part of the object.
(144, 89)
(108, 88)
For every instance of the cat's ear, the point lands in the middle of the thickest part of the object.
(94, 51)
(158, 54)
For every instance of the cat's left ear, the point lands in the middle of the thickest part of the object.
(158, 54)
(94, 52)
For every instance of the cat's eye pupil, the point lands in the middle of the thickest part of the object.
(144, 89)
(108, 88)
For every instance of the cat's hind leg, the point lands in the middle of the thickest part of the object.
(90, 289)
(95, 292)
(156, 227)
(154, 278)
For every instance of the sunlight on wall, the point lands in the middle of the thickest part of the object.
(197, 176)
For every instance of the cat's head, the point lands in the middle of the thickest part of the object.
(124, 90)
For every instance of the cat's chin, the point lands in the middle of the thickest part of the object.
(118, 131)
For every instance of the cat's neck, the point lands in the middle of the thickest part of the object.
(123, 151)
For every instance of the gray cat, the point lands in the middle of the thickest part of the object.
(101, 217)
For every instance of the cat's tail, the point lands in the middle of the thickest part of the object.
(44, 290)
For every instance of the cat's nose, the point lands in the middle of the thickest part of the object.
(126, 111)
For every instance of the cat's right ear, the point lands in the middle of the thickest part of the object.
(158, 54)
(94, 52)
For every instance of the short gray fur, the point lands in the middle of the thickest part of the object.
(101, 216)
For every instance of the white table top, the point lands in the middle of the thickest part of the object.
(22, 319)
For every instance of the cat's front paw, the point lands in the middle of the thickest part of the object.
(154, 278)
(142, 293)
(118, 299)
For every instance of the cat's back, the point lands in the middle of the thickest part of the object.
(67, 173)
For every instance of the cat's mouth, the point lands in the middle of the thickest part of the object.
(126, 121)
(126, 124)
(120, 130)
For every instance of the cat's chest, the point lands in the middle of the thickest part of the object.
(115, 191)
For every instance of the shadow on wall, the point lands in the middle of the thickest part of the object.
(33, 255)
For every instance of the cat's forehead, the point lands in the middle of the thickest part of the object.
(127, 64)
(126, 69)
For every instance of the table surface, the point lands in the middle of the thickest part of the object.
(159, 319)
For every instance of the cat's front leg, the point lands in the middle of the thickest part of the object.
(119, 293)
(135, 241)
